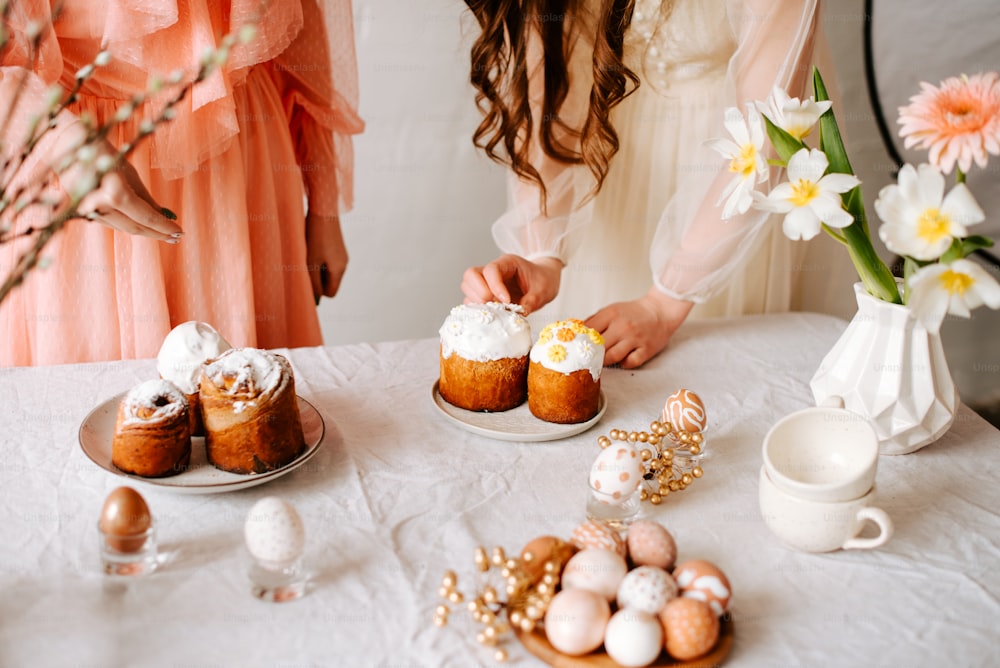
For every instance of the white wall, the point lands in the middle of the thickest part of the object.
(425, 198)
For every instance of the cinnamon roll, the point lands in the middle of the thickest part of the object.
(251, 415)
(152, 435)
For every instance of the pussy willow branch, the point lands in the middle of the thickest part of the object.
(30, 258)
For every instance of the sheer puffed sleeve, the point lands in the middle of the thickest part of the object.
(524, 228)
(317, 78)
(694, 251)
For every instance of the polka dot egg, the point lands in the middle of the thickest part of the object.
(616, 473)
(646, 588)
(274, 533)
(691, 627)
(685, 410)
(650, 544)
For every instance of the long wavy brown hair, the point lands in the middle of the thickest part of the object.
(500, 75)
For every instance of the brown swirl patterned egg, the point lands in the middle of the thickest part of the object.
(685, 410)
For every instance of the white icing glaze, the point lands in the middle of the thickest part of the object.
(485, 332)
(253, 372)
(161, 396)
(185, 349)
(557, 350)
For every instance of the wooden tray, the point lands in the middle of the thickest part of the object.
(536, 643)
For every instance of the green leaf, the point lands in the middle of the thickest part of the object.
(785, 145)
(953, 253)
(830, 141)
(974, 243)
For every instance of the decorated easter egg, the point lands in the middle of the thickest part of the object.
(702, 580)
(685, 410)
(646, 588)
(616, 473)
(125, 519)
(598, 535)
(575, 621)
(274, 532)
(598, 570)
(691, 628)
(650, 544)
(633, 638)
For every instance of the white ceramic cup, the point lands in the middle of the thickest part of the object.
(818, 526)
(822, 454)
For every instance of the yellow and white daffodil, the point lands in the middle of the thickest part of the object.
(809, 198)
(955, 288)
(746, 161)
(794, 116)
(919, 220)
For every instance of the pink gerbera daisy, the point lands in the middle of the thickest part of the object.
(959, 121)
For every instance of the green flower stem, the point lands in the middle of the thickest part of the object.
(872, 271)
(959, 175)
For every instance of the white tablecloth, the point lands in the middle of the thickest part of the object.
(397, 494)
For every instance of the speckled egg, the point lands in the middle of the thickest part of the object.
(575, 621)
(598, 535)
(542, 549)
(616, 473)
(702, 580)
(691, 628)
(646, 588)
(685, 410)
(650, 544)
(633, 638)
(274, 532)
(598, 570)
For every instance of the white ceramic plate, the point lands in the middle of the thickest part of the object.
(98, 428)
(517, 424)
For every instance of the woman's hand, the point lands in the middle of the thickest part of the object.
(326, 254)
(122, 200)
(635, 331)
(511, 279)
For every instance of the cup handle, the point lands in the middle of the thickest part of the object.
(832, 401)
(879, 517)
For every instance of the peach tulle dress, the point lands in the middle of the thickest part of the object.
(230, 166)
(655, 220)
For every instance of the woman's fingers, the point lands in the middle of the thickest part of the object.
(119, 221)
(475, 288)
(123, 198)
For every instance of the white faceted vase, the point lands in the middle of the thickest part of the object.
(889, 368)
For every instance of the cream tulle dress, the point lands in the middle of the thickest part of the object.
(228, 166)
(656, 220)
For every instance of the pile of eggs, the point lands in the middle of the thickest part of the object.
(628, 595)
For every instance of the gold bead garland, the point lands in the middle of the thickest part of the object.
(670, 458)
(525, 606)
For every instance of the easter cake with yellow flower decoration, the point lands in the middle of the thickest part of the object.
(484, 357)
(564, 374)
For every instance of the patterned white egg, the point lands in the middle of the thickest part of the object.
(685, 410)
(616, 473)
(274, 532)
(647, 588)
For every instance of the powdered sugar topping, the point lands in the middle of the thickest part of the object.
(161, 397)
(247, 371)
(185, 349)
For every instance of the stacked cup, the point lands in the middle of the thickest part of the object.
(817, 484)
